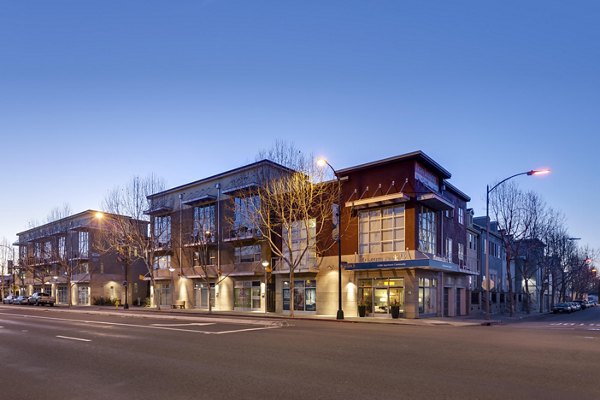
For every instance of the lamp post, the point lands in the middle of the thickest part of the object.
(322, 162)
(265, 265)
(487, 230)
(171, 270)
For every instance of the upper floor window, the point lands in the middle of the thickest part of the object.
(162, 262)
(162, 230)
(461, 251)
(37, 250)
(381, 230)
(461, 216)
(300, 241)
(245, 208)
(449, 249)
(48, 249)
(204, 221)
(62, 247)
(83, 244)
(247, 254)
(427, 230)
(472, 242)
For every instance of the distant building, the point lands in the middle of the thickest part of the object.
(65, 258)
(497, 265)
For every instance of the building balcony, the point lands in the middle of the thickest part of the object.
(242, 234)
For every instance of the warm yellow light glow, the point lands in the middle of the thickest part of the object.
(265, 263)
(99, 215)
(321, 162)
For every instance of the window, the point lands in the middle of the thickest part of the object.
(305, 295)
(83, 244)
(204, 221)
(247, 254)
(381, 230)
(427, 230)
(246, 295)
(427, 295)
(461, 216)
(62, 249)
(449, 249)
(302, 238)
(47, 249)
(461, 252)
(162, 262)
(162, 230)
(244, 209)
(472, 242)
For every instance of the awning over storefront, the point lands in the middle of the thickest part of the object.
(378, 201)
(435, 201)
(433, 265)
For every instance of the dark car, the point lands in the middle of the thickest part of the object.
(20, 300)
(562, 308)
(582, 303)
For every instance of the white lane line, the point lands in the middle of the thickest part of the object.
(190, 324)
(148, 326)
(73, 338)
(242, 330)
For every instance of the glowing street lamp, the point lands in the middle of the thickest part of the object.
(322, 163)
(487, 232)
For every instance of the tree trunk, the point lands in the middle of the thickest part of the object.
(511, 309)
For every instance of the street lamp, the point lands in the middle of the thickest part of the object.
(265, 265)
(323, 162)
(171, 270)
(487, 232)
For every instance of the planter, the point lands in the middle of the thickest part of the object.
(395, 311)
(362, 311)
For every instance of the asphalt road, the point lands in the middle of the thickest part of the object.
(52, 354)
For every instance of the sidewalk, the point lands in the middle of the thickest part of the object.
(248, 317)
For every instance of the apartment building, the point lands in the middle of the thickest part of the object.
(405, 239)
(67, 259)
(208, 249)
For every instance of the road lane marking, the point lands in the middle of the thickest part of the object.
(190, 324)
(149, 326)
(73, 338)
(242, 330)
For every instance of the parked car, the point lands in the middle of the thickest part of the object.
(575, 306)
(41, 299)
(8, 299)
(582, 303)
(20, 300)
(562, 308)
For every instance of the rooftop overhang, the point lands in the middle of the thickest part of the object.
(432, 265)
(158, 211)
(198, 201)
(435, 201)
(378, 201)
(235, 189)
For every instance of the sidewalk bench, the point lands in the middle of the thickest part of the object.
(179, 304)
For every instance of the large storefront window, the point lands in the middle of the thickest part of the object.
(83, 295)
(163, 294)
(246, 295)
(202, 294)
(427, 296)
(427, 230)
(62, 294)
(305, 295)
(381, 230)
(379, 294)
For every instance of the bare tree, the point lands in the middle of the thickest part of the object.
(127, 234)
(293, 210)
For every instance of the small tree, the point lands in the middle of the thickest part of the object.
(128, 234)
(293, 209)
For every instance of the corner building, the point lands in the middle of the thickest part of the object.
(404, 237)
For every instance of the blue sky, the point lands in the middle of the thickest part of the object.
(93, 92)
